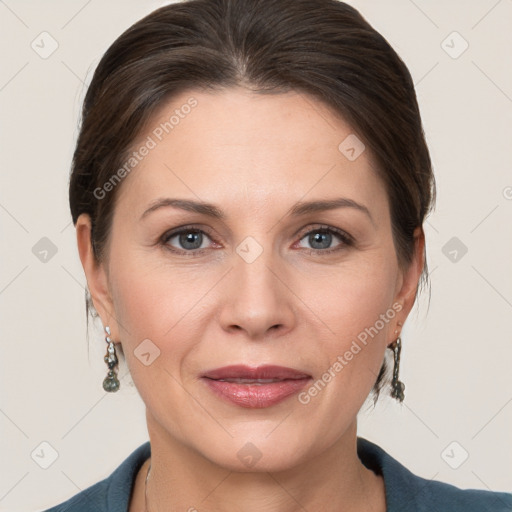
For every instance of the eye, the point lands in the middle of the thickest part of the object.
(321, 239)
(192, 241)
(189, 241)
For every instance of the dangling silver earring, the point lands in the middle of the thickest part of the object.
(111, 382)
(397, 387)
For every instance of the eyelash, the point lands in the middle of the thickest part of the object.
(346, 239)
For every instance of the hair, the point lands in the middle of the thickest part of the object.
(323, 48)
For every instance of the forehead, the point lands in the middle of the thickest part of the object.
(239, 146)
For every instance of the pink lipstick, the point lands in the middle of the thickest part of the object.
(255, 387)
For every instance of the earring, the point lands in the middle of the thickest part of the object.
(111, 382)
(397, 387)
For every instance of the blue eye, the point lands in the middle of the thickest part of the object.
(189, 241)
(320, 239)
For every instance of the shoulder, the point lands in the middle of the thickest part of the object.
(111, 494)
(92, 498)
(406, 491)
(448, 497)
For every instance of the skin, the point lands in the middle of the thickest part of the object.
(254, 156)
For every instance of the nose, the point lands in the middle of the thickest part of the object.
(257, 298)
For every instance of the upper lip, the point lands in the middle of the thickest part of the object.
(240, 371)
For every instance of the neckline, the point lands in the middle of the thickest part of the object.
(397, 485)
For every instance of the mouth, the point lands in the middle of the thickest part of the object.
(250, 381)
(251, 373)
(255, 387)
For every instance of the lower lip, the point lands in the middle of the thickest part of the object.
(256, 396)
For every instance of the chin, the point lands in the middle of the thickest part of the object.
(265, 452)
(250, 459)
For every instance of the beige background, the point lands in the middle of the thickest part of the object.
(456, 360)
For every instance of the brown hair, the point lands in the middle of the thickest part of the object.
(324, 48)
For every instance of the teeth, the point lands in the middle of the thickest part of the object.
(250, 381)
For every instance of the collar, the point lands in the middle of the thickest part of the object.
(396, 477)
(404, 490)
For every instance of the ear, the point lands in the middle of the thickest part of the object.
(409, 279)
(95, 273)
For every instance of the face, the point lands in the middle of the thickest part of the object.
(264, 281)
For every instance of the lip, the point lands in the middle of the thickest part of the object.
(255, 387)
(242, 371)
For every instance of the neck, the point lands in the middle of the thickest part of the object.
(182, 479)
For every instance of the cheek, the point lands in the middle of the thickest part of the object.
(150, 296)
(152, 314)
(158, 312)
(356, 306)
(353, 297)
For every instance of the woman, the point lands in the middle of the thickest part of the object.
(249, 188)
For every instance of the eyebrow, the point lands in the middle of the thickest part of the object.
(298, 209)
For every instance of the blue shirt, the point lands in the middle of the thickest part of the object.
(405, 492)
